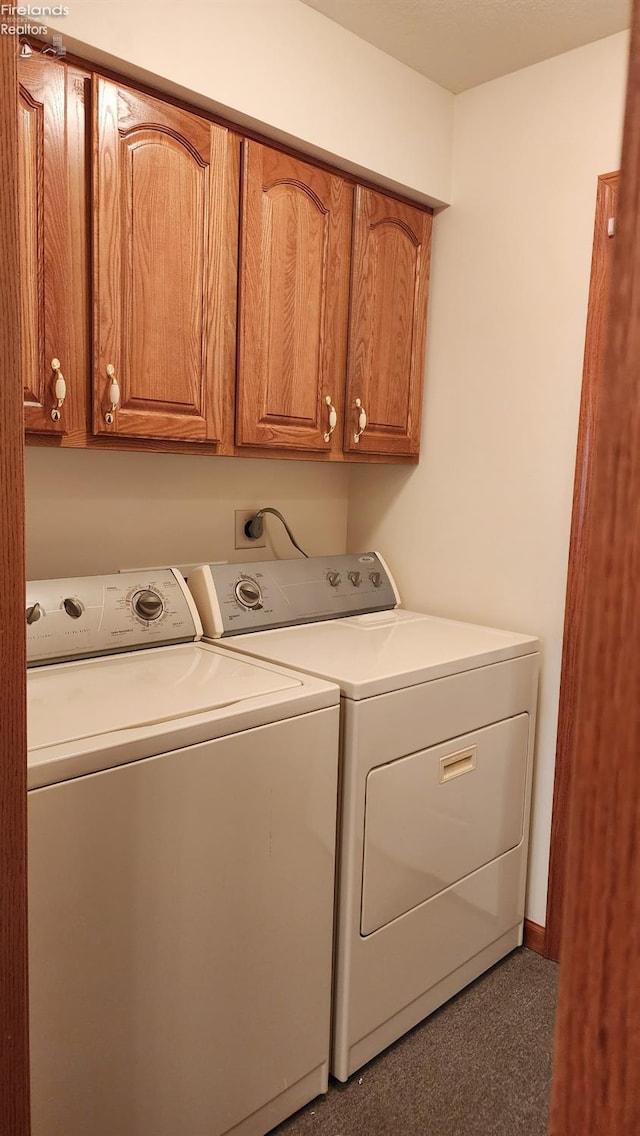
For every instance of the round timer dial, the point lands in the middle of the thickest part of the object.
(248, 593)
(147, 605)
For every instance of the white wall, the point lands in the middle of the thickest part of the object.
(282, 67)
(94, 511)
(479, 530)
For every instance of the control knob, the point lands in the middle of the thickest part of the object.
(248, 593)
(355, 578)
(334, 579)
(148, 605)
(34, 611)
(376, 579)
(73, 607)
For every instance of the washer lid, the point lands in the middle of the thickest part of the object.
(384, 651)
(69, 702)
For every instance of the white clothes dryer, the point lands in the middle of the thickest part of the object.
(437, 740)
(181, 869)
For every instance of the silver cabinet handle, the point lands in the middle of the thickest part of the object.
(333, 418)
(362, 420)
(114, 394)
(60, 389)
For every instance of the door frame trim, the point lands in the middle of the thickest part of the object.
(597, 1046)
(592, 376)
(14, 1052)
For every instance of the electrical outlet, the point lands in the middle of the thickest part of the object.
(242, 541)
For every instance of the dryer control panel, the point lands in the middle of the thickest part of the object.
(99, 615)
(235, 599)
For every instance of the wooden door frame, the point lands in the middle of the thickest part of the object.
(14, 1081)
(597, 1052)
(566, 752)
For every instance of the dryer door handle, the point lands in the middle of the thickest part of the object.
(455, 764)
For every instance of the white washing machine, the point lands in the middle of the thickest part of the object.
(436, 761)
(182, 810)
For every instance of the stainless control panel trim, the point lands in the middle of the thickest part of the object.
(237, 599)
(80, 617)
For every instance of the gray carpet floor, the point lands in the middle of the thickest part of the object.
(480, 1066)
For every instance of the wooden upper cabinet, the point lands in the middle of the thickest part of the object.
(46, 272)
(144, 297)
(387, 325)
(294, 287)
(165, 269)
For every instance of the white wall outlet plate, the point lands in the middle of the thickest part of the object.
(240, 540)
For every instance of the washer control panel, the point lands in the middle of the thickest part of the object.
(98, 615)
(235, 599)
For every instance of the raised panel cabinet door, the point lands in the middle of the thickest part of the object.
(165, 269)
(294, 288)
(46, 281)
(387, 325)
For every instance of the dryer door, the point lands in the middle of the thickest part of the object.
(435, 816)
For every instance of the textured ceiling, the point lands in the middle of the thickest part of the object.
(460, 43)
